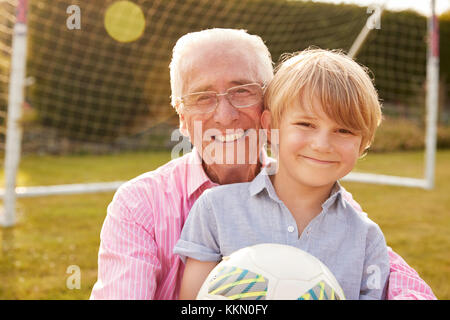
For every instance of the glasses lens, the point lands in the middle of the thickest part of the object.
(246, 95)
(200, 102)
(240, 97)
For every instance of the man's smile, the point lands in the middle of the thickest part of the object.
(226, 138)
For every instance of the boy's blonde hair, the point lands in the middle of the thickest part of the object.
(343, 87)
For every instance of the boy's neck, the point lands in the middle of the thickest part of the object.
(304, 202)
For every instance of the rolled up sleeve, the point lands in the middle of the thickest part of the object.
(199, 237)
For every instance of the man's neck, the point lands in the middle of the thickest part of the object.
(226, 174)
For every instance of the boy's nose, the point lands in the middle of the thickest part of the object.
(225, 113)
(321, 142)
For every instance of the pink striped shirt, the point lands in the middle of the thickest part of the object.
(144, 222)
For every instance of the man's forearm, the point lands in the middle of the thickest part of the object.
(404, 282)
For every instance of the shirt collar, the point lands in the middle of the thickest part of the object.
(262, 181)
(197, 176)
(335, 195)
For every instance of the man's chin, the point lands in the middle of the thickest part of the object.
(228, 162)
(231, 173)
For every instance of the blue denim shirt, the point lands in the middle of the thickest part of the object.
(230, 217)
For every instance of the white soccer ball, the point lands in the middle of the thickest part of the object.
(270, 272)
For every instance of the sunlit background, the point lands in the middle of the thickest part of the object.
(398, 5)
(97, 109)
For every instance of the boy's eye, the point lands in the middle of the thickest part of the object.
(344, 131)
(304, 124)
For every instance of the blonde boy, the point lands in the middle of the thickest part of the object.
(326, 111)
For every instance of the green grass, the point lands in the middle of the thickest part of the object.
(415, 222)
(51, 170)
(55, 232)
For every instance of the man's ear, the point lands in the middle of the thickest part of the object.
(183, 126)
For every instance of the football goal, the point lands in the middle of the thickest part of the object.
(92, 76)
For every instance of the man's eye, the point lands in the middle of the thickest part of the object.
(241, 92)
(204, 98)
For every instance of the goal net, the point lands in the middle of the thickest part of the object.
(97, 78)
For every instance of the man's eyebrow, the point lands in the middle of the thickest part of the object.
(240, 82)
(201, 89)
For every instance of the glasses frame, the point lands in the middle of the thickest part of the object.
(186, 109)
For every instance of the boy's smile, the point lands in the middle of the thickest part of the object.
(318, 161)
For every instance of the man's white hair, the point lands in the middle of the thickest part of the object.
(191, 43)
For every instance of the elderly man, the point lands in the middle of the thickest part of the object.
(217, 81)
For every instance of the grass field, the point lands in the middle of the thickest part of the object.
(55, 232)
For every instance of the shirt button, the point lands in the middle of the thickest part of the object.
(291, 229)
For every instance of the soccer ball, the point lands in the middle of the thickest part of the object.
(270, 272)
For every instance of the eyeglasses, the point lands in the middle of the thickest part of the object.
(242, 96)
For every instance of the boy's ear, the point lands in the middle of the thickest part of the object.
(272, 136)
(266, 119)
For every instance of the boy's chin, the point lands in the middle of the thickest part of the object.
(314, 182)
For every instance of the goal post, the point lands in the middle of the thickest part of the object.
(432, 98)
(432, 93)
(14, 113)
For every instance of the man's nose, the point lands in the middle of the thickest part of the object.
(225, 112)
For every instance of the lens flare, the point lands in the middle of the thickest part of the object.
(124, 21)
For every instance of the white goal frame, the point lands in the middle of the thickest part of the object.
(432, 96)
(16, 98)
